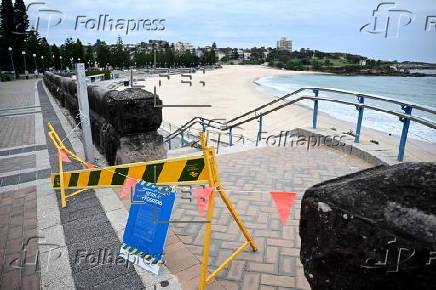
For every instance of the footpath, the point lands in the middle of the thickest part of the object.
(40, 242)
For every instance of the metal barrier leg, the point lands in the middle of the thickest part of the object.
(214, 181)
(315, 110)
(406, 122)
(61, 180)
(359, 120)
(207, 236)
(236, 217)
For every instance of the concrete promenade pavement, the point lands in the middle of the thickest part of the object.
(23, 161)
(41, 243)
(32, 224)
(249, 177)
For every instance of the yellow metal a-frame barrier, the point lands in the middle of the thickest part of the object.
(202, 169)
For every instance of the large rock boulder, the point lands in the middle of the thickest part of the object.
(130, 111)
(374, 229)
(123, 123)
(143, 147)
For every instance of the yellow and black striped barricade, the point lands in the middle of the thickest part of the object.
(185, 170)
(200, 169)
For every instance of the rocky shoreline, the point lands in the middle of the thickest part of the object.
(386, 74)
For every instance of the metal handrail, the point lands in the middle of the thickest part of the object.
(405, 117)
(409, 117)
(192, 122)
(333, 91)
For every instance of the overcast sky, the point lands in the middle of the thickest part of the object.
(326, 25)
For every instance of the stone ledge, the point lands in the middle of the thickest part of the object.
(371, 153)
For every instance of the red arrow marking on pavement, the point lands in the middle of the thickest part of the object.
(284, 202)
(202, 198)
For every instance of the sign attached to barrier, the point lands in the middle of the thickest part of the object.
(147, 225)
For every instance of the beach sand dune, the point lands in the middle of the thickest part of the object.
(231, 91)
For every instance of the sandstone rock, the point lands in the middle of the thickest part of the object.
(123, 123)
(143, 147)
(375, 229)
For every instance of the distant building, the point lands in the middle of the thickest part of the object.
(240, 54)
(362, 62)
(158, 43)
(284, 44)
(229, 53)
(220, 54)
(182, 46)
(199, 52)
(131, 46)
(247, 55)
(395, 67)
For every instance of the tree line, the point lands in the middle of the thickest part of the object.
(24, 49)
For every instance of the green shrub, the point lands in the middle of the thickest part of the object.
(6, 77)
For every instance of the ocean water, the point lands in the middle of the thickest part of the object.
(417, 90)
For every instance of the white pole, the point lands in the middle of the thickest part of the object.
(131, 78)
(82, 96)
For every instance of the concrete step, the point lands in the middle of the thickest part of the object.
(184, 151)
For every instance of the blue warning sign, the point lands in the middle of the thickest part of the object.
(147, 225)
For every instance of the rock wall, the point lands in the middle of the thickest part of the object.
(374, 229)
(124, 123)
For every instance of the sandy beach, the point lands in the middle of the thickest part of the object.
(231, 91)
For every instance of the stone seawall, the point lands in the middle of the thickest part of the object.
(124, 123)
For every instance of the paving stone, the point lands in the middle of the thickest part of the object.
(272, 254)
(263, 267)
(279, 245)
(236, 270)
(10, 280)
(251, 281)
(178, 257)
(287, 266)
(17, 163)
(31, 282)
(275, 280)
(263, 287)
